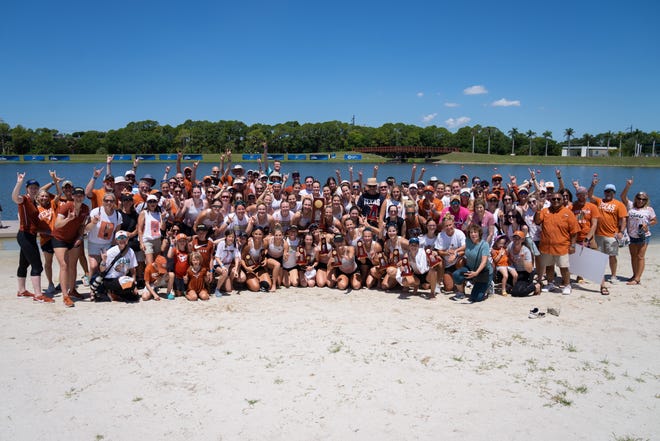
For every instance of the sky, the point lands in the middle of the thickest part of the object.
(75, 66)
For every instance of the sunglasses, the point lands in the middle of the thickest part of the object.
(642, 199)
(556, 199)
(108, 200)
(224, 197)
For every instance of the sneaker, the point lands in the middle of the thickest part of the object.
(43, 299)
(50, 290)
(614, 280)
(58, 288)
(68, 302)
(567, 290)
(75, 294)
(438, 290)
(85, 280)
(548, 288)
(218, 293)
(457, 297)
(25, 294)
(170, 296)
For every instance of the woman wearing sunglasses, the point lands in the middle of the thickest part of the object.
(641, 217)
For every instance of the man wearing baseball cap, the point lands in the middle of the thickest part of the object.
(96, 195)
(612, 224)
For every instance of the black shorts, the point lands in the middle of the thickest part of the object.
(322, 266)
(278, 259)
(56, 243)
(47, 247)
(179, 284)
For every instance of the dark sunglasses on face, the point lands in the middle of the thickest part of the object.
(555, 199)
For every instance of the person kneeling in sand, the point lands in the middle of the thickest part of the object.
(119, 280)
(156, 276)
(197, 279)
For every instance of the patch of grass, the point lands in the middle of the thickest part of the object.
(582, 389)
(458, 358)
(628, 438)
(608, 375)
(604, 361)
(278, 381)
(569, 347)
(655, 301)
(640, 380)
(99, 437)
(425, 360)
(252, 402)
(519, 339)
(532, 364)
(587, 366)
(481, 333)
(335, 347)
(561, 398)
(137, 399)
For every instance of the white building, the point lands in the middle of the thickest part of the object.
(587, 151)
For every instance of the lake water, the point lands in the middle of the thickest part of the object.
(646, 179)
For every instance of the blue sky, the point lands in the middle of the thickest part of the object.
(592, 66)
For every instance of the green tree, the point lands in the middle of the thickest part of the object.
(530, 135)
(568, 133)
(513, 133)
(546, 135)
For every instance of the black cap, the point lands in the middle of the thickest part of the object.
(108, 177)
(78, 190)
(126, 197)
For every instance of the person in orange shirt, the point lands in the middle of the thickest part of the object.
(501, 261)
(429, 206)
(613, 222)
(96, 195)
(559, 229)
(587, 215)
(156, 276)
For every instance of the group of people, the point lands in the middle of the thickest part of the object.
(261, 230)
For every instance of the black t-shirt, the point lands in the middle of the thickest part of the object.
(370, 207)
(129, 224)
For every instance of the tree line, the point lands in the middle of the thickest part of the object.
(293, 137)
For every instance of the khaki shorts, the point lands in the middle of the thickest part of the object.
(608, 245)
(551, 259)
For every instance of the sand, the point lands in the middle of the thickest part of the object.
(308, 364)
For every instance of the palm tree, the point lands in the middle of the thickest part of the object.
(512, 133)
(654, 135)
(530, 134)
(608, 135)
(568, 133)
(620, 136)
(475, 130)
(547, 134)
(587, 138)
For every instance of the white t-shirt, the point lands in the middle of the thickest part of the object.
(122, 265)
(446, 243)
(103, 231)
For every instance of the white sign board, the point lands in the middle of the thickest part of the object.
(588, 263)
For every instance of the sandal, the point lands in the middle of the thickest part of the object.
(633, 282)
(604, 291)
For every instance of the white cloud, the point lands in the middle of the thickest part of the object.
(505, 103)
(475, 90)
(451, 104)
(457, 122)
(420, 94)
(428, 118)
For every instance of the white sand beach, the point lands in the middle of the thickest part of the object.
(308, 364)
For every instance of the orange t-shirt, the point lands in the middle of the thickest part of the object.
(426, 213)
(556, 231)
(500, 257)
(28, 215)
(610, 213)
(151, 274)
(197, 280)
(97, 197)
(71, 231)
(585, 216)
(46, 221)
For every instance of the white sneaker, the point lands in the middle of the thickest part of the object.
(614, 280)
(567, 290)
(548, 288)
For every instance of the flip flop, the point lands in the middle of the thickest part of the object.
(604, 291)
(633, 282)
